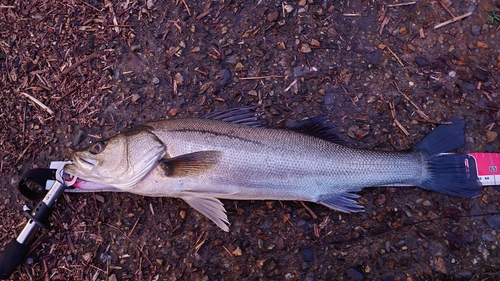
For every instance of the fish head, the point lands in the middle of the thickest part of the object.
(120, 161)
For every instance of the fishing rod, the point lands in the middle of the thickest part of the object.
(16, 250)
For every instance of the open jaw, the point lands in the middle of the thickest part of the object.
(87, 186)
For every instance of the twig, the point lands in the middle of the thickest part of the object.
(351, 15)
(393, 113)
(401, 4)
(39, 103)
(419, 112)
(76, 64)
(313, 215)
(290, 86)
(187, 7)
(261, 77)
(446, 9)
(22, 153)
(7, 7)
(383, 46)
(132, 241)
(452, 20)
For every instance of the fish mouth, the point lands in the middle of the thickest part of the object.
(81, 164)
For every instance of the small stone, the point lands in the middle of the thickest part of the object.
(493, 221)
(112, 277)
(135, 48)
(270, 204)
(305, 49)
(315, 43)
(421, 61)
(135, 97)
(237, 252)
(150, 4)
(99, 198)
(374, 57)
(299, 71)
(281, 46)
(302, 3)
(356, 132)
(172, 111)
(278, 241)
(308, 254)
(481, 45)
(481, 75)
(354, 274)
(179, 79)
(239, 67)
(79, 136)
(182, 214)
(87, 256)
(272, 16)
(381, 199)
(426, 203)
(439, 265)
(491, 136)
(403, 31)
(156, 80)
(476, 30)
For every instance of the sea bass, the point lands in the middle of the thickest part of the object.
(202, 159)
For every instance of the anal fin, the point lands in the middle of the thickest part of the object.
(212, 208)
(344, 202)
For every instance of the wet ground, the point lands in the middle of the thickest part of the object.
(381, 72)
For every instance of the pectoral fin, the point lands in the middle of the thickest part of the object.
(211, 208)
(190, 164)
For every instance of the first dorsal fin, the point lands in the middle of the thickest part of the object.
(317, 127)
(245, 115)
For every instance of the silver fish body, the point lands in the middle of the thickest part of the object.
(206, 159)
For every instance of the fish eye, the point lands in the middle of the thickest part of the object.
(97, 147)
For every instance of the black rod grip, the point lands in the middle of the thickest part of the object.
(13, 255)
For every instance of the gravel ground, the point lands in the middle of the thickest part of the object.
(72, 72)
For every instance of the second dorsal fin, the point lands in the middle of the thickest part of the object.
(317, 127)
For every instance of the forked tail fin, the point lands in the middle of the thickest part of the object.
(449, 173)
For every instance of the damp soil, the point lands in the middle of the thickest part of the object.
(381, 72)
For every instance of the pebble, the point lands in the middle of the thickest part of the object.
(374, 57)
(488, 237)
(299, 71)
(329, 98)
(179, 79)
(493, 221)
(156, 81)
(491, 136)
(237, 252)
(239, 67)
(421, 61)
(305, 48)
(476, 30)
(354, 274)
(489, 147)
(79, 136)
(481, 75)
(112, 277)
(308, 254)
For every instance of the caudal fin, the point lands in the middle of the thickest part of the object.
(449, 172)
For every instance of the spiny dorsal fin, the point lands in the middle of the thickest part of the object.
(190, 164)
(317, 127)
(245, 115)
